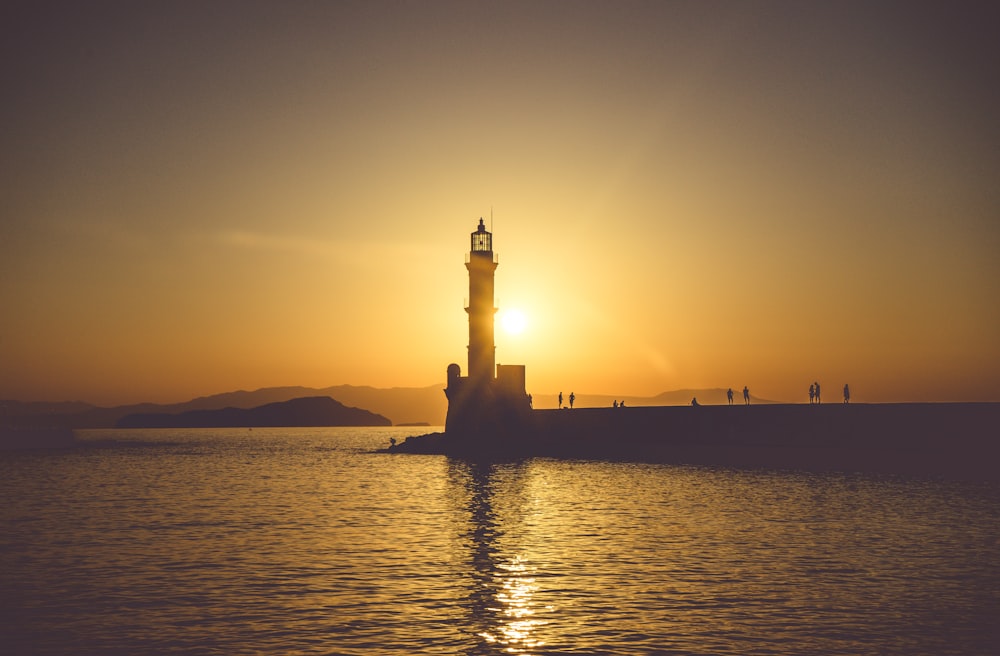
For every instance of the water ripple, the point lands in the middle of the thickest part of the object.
(306, 541)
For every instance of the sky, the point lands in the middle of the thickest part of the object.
(199, 197)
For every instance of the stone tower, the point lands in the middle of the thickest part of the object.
(481, 264)
(490, 403)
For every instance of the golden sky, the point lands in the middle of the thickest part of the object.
(202, 197)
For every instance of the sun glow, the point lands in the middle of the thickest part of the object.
(513, 321)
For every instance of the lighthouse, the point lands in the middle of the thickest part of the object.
(491, 401)
(481, 263)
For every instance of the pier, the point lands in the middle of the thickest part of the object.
(954, 440)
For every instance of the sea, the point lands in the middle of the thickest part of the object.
(312, 541)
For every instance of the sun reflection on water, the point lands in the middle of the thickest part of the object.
(515, 594)
(516, 613)
(504, 597)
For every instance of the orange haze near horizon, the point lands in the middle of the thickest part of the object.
(203, 198)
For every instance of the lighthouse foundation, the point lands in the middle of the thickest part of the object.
(483, 411)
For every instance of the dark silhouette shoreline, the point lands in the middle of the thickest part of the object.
(308, 411)
(402, 405)
(933, 439)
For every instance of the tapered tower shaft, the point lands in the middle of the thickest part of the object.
(481, 265)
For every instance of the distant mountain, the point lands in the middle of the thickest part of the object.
(309, 411)
(402, 405)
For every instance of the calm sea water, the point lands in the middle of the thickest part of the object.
(305, 541)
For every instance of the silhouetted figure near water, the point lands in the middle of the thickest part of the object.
(560, 400)
(572, 397)
(812, 394)
(746, 395)
(615, 404)
(622, 404)
(694, 402)
(729, 395)
(817, 393)
(530, 402)
(847, 393)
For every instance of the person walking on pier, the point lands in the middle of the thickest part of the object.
(729, 395)
(818, 401)
(560, 400)
(572, 397)
(746, 395)
(847, 393)
(812, 394)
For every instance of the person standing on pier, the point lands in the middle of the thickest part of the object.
(560, 400)
(812, 394)
(746, 395)
(729, 395)
(572, 397)
(847, 393)
(818, 401)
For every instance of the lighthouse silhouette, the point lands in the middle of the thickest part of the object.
(483, 405)
(481, 263)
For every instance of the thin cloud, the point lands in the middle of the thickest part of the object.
(293, 244)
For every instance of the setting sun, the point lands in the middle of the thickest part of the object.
(513, 321)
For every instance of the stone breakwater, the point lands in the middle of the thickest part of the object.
(946, 439)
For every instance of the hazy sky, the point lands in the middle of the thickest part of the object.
(197, 197)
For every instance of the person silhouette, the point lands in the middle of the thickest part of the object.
(729, 395)
(812, 394)
(530, 401)
(817, 393)
(746, 395)
(560, 400)
(572, 397)
(847, 393)
(694, 401)
(615, 404)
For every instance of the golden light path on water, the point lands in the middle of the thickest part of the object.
(516, 631)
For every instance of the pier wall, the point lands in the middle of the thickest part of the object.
(947, 439)
(950, 438)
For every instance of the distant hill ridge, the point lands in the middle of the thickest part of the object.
(307, 411)
(402, 405)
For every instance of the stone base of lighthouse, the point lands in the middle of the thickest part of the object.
(487, 411)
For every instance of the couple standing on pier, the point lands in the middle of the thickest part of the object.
(746, 395)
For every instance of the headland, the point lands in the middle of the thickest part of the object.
(307, 411)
